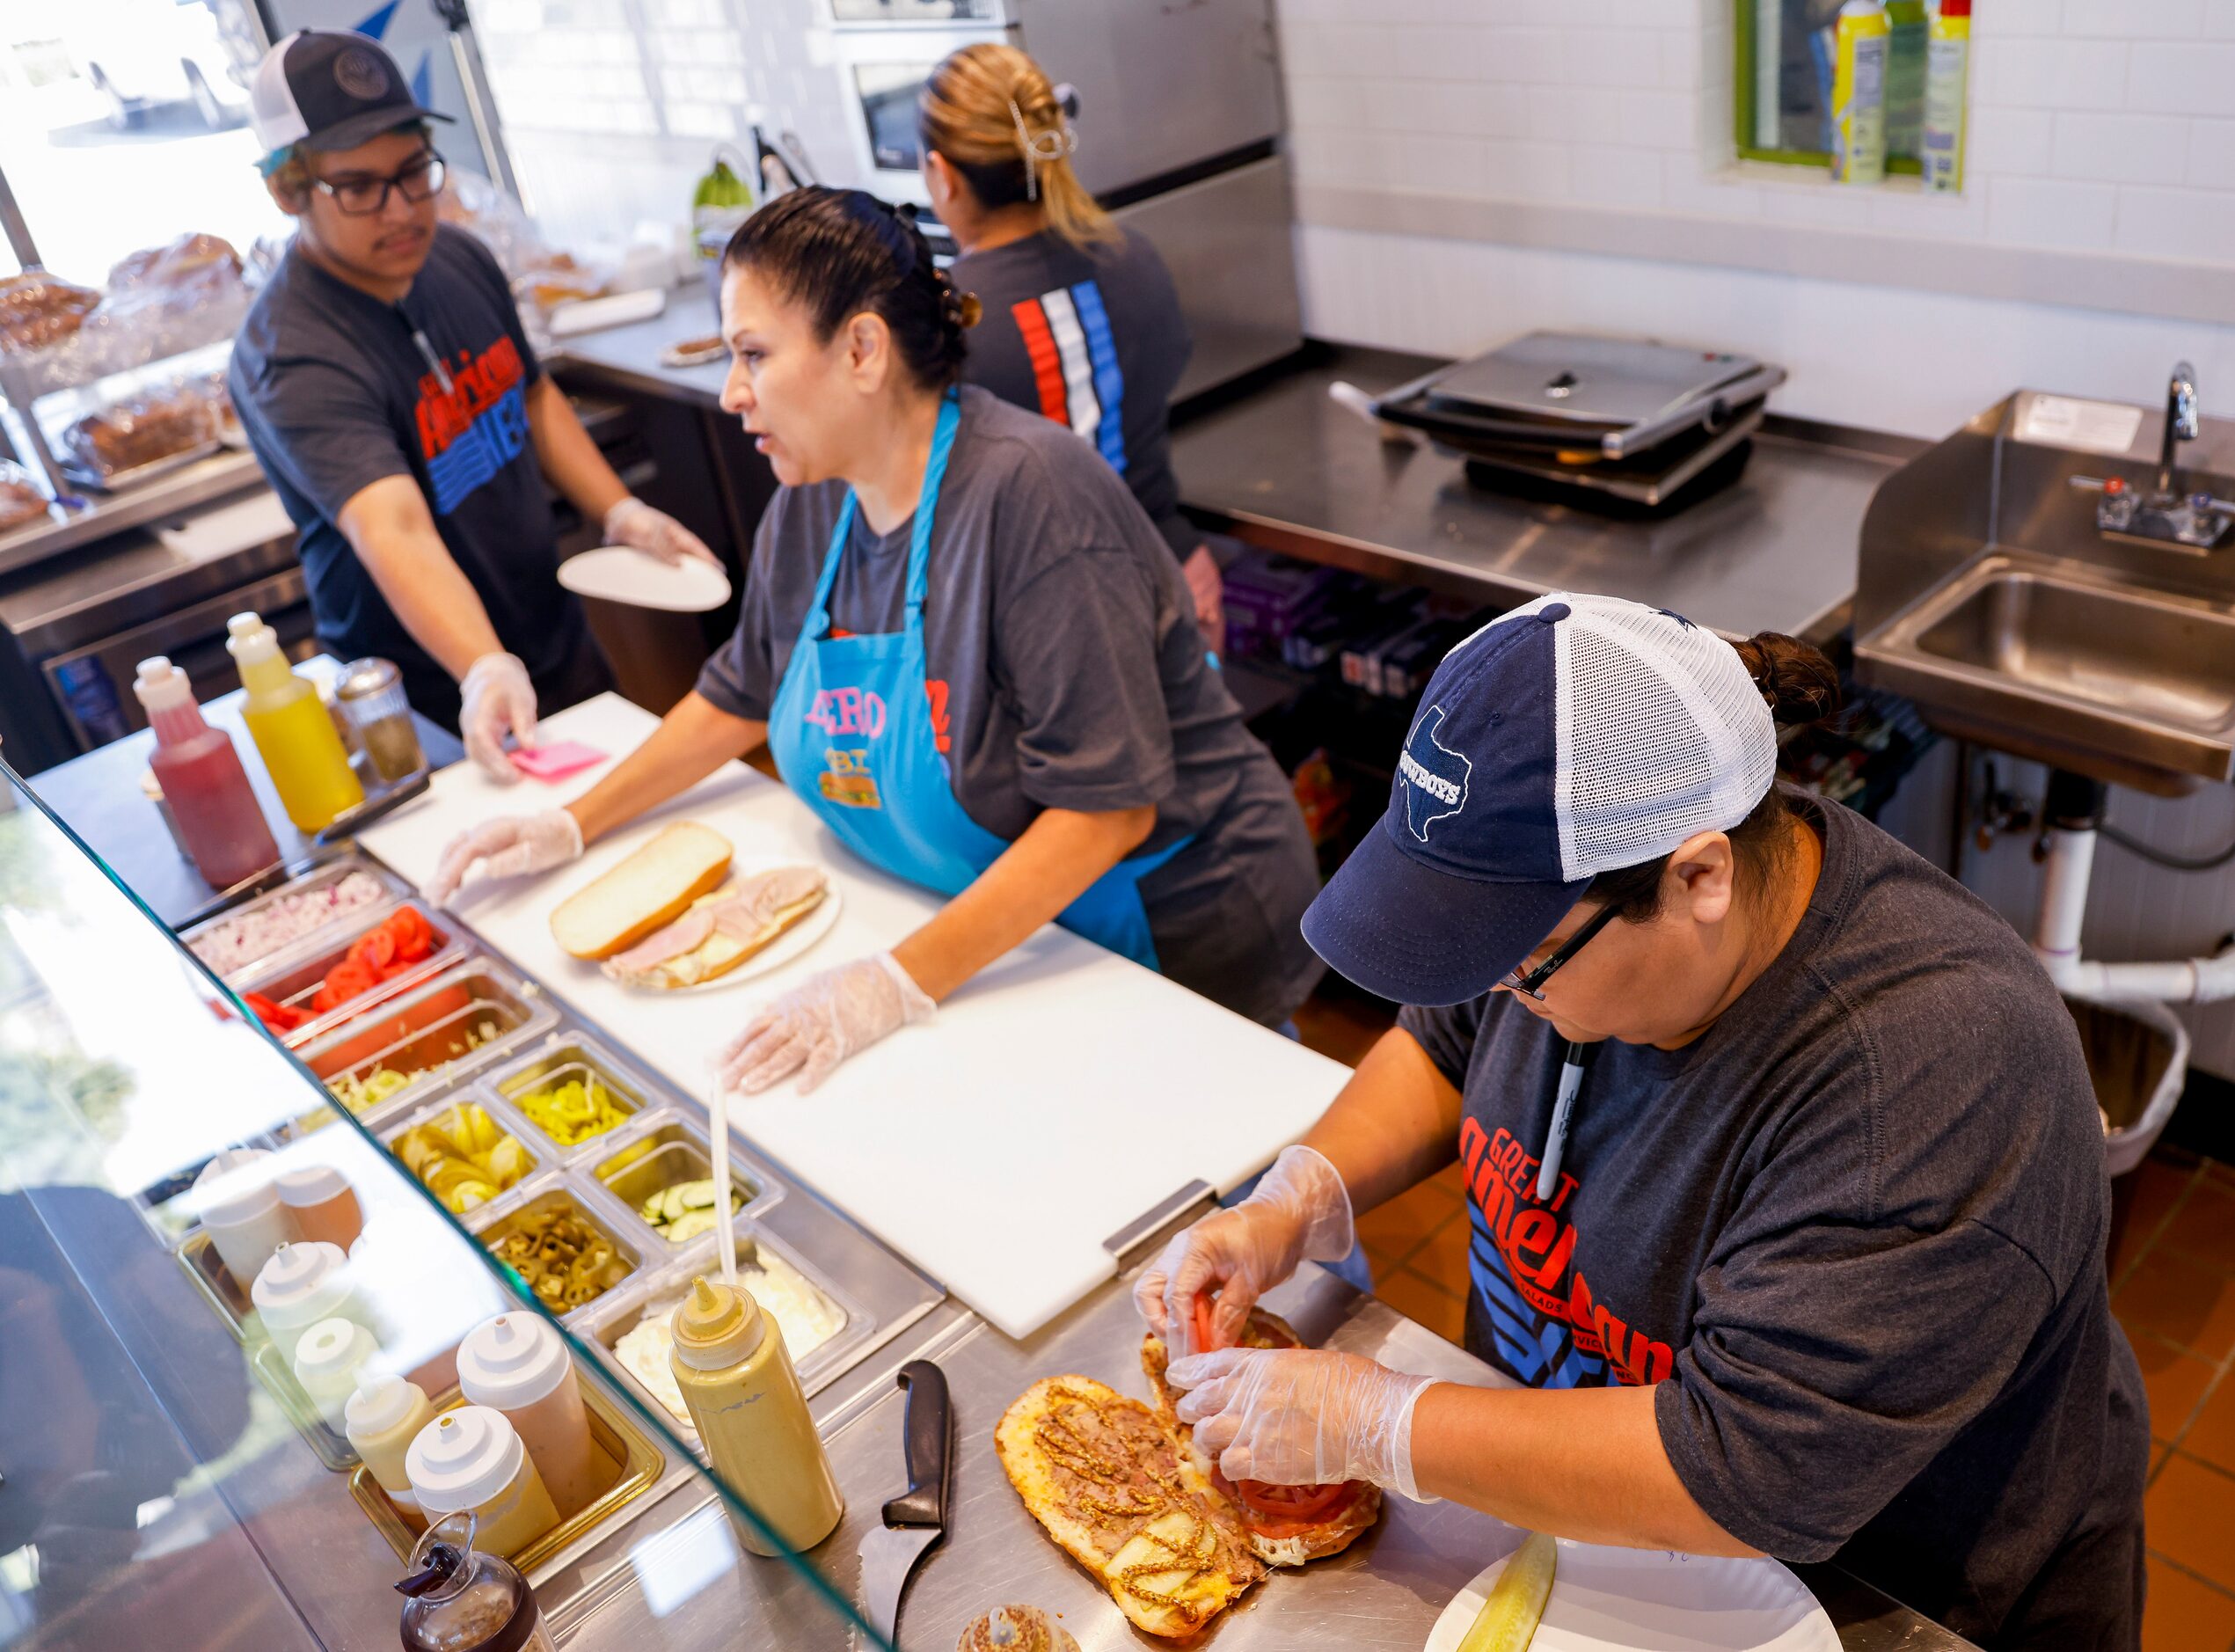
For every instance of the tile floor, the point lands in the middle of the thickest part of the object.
(2173, 1286)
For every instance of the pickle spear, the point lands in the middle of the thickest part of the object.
(1508, 1620)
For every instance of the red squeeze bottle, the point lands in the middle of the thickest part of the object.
(203, 781)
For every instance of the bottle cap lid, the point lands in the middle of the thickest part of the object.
(332, 1350)
(383, 1399)
(716, 1326)
(462, 1459)
(247, 637)
(312, 1184)
(361, 679)
(1956, 8)
(512, 1361)
(236, 1187)
(302, 1283)
(161, 685)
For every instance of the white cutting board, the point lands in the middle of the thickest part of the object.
(1051, 1102)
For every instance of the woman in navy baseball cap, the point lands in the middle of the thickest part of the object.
(1784, 1172)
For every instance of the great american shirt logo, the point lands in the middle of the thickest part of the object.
(1075, 366)
(1546, 1326)
(468, 432)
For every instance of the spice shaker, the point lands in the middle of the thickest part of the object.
(372, 692)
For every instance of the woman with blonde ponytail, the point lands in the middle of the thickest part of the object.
(1081, 321)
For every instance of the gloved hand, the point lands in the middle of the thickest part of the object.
(634, 523)
(1302, 1416)
(1300, 1210)
(821, 1021)
(496, 698)
(509, 846)
(1208, 587)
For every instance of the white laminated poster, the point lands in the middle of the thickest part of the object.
(2066, 422)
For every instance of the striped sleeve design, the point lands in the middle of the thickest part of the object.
(1075, 366)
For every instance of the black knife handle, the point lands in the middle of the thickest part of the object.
(928, 1429)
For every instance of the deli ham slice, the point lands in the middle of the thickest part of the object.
(684, 935)
(720, 931)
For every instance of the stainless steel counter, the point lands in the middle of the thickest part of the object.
(183, 490)
(629, 357)
(1384, 1592)
(1285, 468)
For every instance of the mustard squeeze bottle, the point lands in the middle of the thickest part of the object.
(293, 733)
(745, 1400)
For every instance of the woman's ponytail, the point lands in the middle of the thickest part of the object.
(990, 110)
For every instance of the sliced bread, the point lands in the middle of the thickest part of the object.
(653, 887)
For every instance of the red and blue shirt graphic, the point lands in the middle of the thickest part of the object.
(1545, 1324)
(1075, 364)
(471, 431)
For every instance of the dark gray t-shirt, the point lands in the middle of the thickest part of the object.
(335, 396)
(1093, 337)
(1066, 672)
(1855, 1233)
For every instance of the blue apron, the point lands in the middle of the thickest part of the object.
(852, 735)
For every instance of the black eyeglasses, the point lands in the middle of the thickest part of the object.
(1530, 983)
(362, 197)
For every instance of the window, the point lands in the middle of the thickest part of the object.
(1787, 57)
(124, 123)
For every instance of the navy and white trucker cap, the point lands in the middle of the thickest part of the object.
(1573, 737)
(329, 89)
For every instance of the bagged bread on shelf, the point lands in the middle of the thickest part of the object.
(539, 274)
(38, 310)
(158, 423)
(161, 302)
(20, 500)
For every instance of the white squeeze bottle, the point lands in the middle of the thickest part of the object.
(518, 1365)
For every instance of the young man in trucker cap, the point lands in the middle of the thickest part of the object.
(1785, 1174)
(395, 406)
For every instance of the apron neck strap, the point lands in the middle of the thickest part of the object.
(919, 538)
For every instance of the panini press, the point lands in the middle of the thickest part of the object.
(1622, 424)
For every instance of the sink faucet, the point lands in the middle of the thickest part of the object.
(2181, 424)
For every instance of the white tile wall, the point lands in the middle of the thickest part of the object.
(611, 107)
(2083, 114)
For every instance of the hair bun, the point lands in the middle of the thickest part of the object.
(968, 311)
(1796, 681)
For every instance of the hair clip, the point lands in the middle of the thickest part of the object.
(1053, 144)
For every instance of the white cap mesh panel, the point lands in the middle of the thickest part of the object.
(1661, 733)
(271, 113)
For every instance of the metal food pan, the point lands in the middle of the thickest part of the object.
(541, 1194)
(434, 1033)
(613, 1317)
(501, 1117)
(637, 1462)
(323, 876)
(667, 1147)
(569, 1055)
(294, 980)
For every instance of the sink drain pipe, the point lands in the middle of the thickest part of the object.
(2072, 811)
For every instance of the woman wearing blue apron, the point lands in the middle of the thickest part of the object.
(969, 652)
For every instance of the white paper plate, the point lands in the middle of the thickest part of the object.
(618, 574)
(793, 943)
(1647, 1600)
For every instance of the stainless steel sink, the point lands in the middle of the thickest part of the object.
(1993, 593)
(2076, 655)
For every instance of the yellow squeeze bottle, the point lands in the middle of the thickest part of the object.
(293, 733)
(745, 1400)
(1862, 43)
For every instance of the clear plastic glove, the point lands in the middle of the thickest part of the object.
(1208, 587)
(820, 1022)
(496, 698)
(638, 525)
(509, 846)
(1302, 1416)
(1299, 1211)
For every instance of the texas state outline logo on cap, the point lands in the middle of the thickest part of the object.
(1434, 777)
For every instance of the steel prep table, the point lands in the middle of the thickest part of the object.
(1386, 1593)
